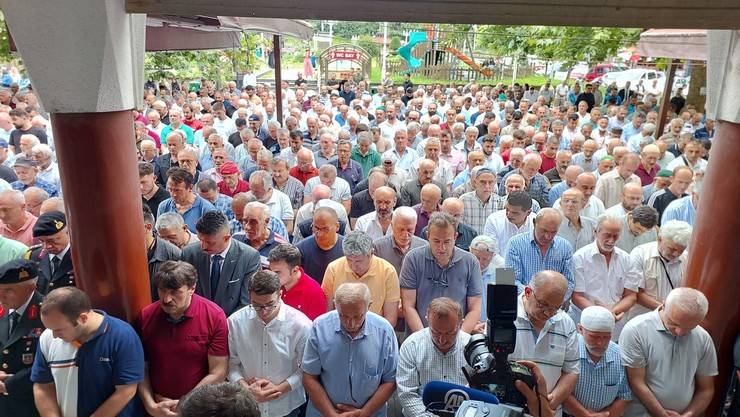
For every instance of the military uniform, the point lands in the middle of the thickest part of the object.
(51, 276)
(18, 347)
(50, 279)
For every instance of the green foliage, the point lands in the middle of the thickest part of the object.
(219, 65)
(368, 44)
(5, 54)
(567, 44)
(395, 44)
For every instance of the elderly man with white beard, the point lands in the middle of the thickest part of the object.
(604, 274)
(602, 389)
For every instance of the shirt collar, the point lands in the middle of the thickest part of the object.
(22, 309)
(61, 254)
(456, 256)
(225, 251)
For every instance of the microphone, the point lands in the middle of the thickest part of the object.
(447, 397)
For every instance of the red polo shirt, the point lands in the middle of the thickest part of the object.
(547, 163)
(241, 187)
(177, 353)
(303, 176)
(306, 296)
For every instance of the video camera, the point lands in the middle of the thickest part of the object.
(489, 369)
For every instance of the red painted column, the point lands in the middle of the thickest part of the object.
(714, 261)
(98, 168)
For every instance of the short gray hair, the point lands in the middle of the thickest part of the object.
(264, 176)
(405, 212)
(607, 217)
(688, 300)
(357, 242)
(170, 220)
(677, 231)
(352, 292)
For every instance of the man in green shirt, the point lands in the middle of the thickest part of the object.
(11, 249)
(364, 154)
(177, 124)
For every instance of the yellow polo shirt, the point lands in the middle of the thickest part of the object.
(381, 279)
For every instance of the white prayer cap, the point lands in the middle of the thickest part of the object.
(597, 319)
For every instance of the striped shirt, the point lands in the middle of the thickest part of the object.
(578, 238)
(681, 209)
(223, 204)
(420, 362)
(86, 374)
(476, 212)
(293, 189)
(525, 257)
(601, 383)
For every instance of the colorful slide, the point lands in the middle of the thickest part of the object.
(464, 58)
(404, 52)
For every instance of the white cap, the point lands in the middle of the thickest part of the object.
(597, 319)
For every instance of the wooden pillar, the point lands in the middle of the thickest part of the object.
(714, 262)
(276, 50)
(666, 100)
(87, 68)
(98, 167)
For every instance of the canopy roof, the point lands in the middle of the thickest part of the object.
(171, 33)
(673, 43)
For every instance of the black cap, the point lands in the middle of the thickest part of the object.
(50, 223)
(17, 271)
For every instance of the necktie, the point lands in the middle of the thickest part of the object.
(215, 273)
(14, 316)
(55, 262)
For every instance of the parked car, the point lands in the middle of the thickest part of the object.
(579, 71)
(599, 70)
(634, 76)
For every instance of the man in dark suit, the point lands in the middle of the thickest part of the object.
(224, 265)
(175, 143)
(20, 328)
(54, 256)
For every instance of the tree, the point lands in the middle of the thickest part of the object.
(395, 44)
(566, 44)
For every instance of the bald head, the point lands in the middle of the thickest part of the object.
(572, 173)
(320, 192)
(586, 182)
(631, 196)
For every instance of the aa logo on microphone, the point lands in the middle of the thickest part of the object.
(454, 398)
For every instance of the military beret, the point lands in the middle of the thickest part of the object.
(17, 271)
(49, 223)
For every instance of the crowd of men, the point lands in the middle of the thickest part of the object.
(334, 262)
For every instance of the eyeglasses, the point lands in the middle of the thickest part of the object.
(544, 307)
(266, 308)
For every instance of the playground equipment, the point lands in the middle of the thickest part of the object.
(404, 52)
(464, 58)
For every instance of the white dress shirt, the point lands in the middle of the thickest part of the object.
(369, 224)
(601, 283)
(273, 352)
(502, 230)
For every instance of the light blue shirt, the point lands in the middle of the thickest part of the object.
(556, 191)
(602, 383)
(524, 256)
(461, 178)
(681, 209)
(351, 369)
(629, 130)
(406, 161)
(191, 216)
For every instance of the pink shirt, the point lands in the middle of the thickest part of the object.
(24, 234)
